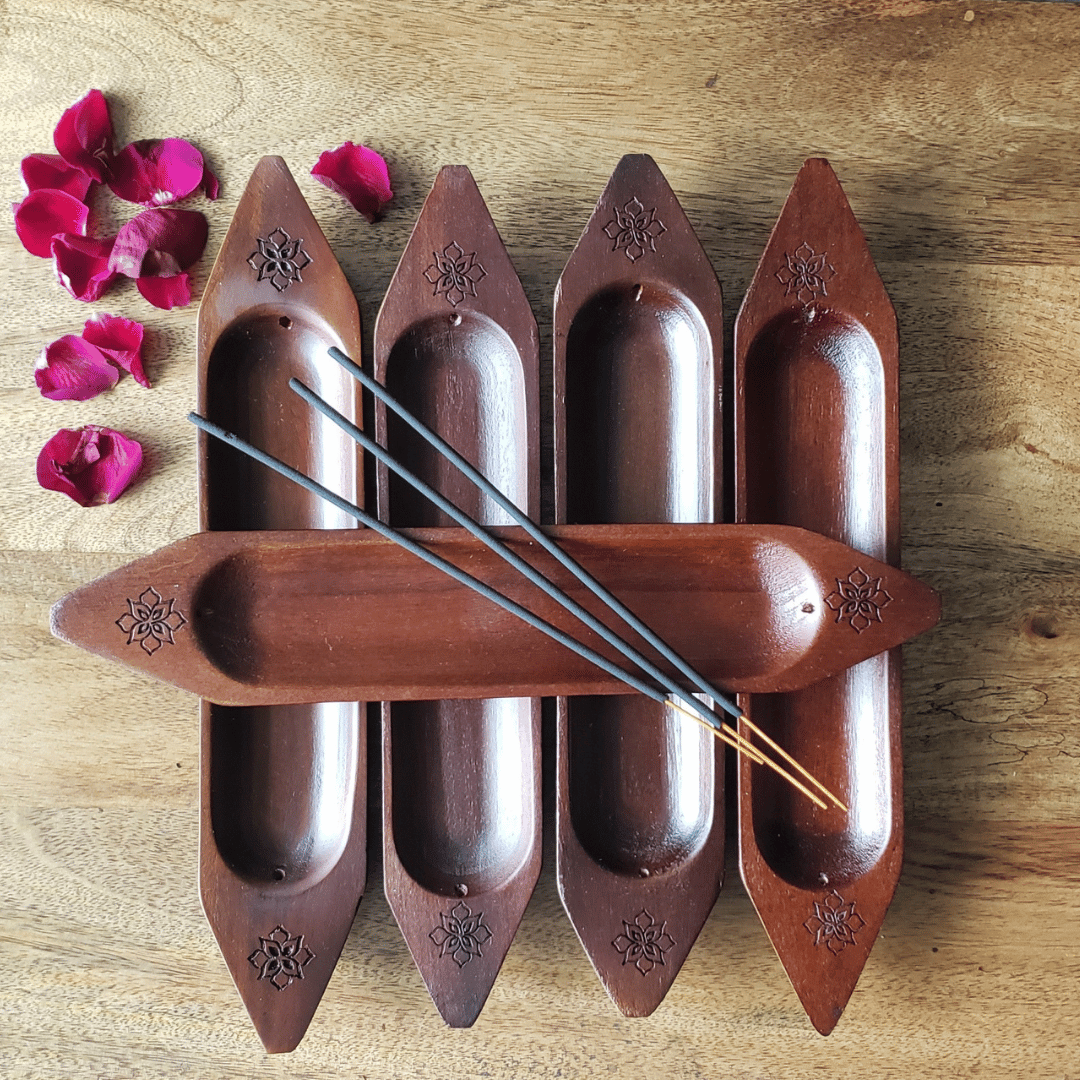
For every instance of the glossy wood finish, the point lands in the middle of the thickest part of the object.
(279, 617)
(638, 367)
(456, 343)
(818, 446)
(283, 787)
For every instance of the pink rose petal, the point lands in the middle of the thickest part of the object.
(84, 136)
(93, 465)
(357, 173)
(159, 243)
(82, 265)
(120, 340)
(73, 369)
(166, 292)
(210, 184)
(45, 213)
(154, 172)
(52, 171)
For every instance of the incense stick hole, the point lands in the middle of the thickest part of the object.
(455, 319)
(285, 322)
(461, 889)
(808, 609)
(279, 873)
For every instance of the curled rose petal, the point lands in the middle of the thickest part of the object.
(84, 136)
(154, 172)
(93, 465)
(120, 340)
(357, 173)
(73, 369)
(159, 243)
(45, 213)
(52, 171)
(210, 184)
(166, 292)
(82, 265)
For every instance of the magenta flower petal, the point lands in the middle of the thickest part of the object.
(166, 292)
(84, 136)
(72, 369)
(154, 172)
(52, 171)
(210, 184)
(43, 214)
(357, 173)
(82, 265)
(120, 340)
(159, 243)
(93, 465)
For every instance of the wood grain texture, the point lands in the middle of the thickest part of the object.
(957, 141)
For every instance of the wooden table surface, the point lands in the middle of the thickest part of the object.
(955, 129)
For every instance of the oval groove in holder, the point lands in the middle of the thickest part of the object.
(283, 832)
(638, 364)
(817, 445)
(456, 343)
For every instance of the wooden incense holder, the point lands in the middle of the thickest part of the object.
(638, 371)
(456, 343)
(283, 834)
(289, 617)
(817, 445)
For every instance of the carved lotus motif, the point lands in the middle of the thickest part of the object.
(858, 599)
(460, 934)
(805, 274)
(279, 259)
(835, 923)
(455, 273)
(634, 229)
(151, 621)
(281, 958)
(643, 942)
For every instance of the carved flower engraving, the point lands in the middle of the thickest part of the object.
(281, 957)
(460, 933)
(151, 621)
(858, 599)
(835, 922)
(634, 229)
(279, 259)
(643, 942)
(455, 273)
(805, 274)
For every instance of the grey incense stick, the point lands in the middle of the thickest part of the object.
(599, 590)
(505, 552)
(732, 738)
(428, 556)
(537, 533)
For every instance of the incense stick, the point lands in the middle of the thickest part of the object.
(430, 557)
(575, 568)
(501, 549)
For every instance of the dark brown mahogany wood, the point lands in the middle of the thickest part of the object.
(456, 343)
(817, 445)
(286, 618)
(638, 368)
(283, 787)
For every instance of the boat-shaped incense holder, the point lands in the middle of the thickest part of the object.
(286, 617)
(817, 445)
(456, 343)
(638, 370)
(283, 833)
